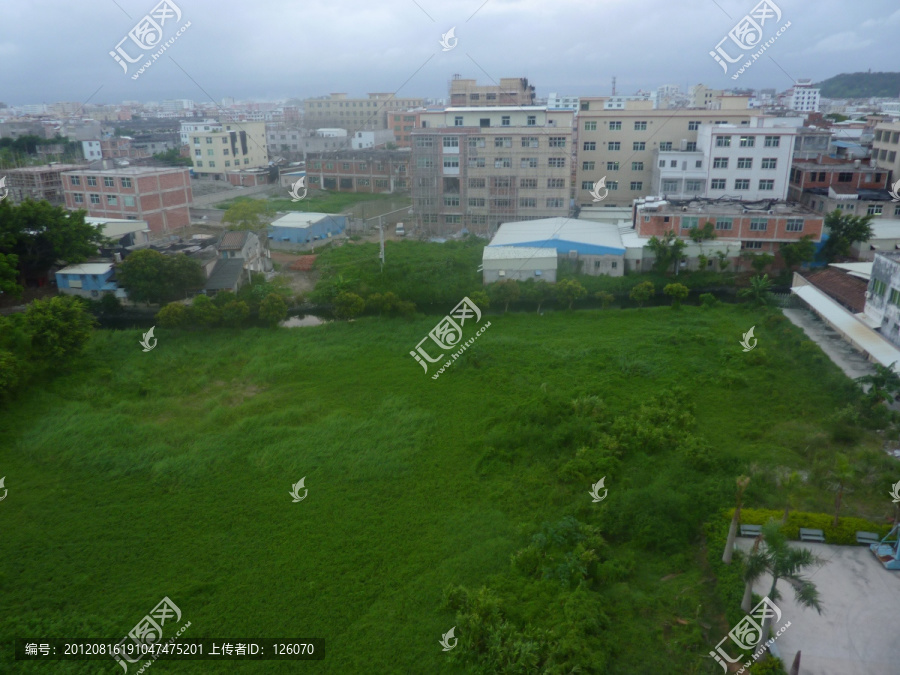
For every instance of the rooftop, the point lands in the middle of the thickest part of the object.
(885, 228)
(849, 291)
(233, 241)
(87, 268)
(300, 219)
(133, 170)
(562, 234)
(516, 252)
(225, 274)
(723, 208)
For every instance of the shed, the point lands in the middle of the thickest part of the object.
(301, 227)
(227, 275)
(519, 263)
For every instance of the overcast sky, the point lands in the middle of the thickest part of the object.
(58, 50)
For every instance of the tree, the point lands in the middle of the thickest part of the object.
(759, 291)
(783, 562)
(724, 262)
(504, 292)
(273, 309)
(700, 234)
(173, 157)
(173, 315)
(801, 251)
(184, 275)
(110, 304)
(60, 327)
(151, 277)
(481, 299)
(843, 230)
(569, 290)
(788, 483)
(235, 313)
(348, 305)
(605, 298)
(244, 214)
(759, 261)
(538, 292)
(841, 473)
(677, 292)
(9, 274)
(642, 292)
(668, 251)
(203, 312)
(742, 483)
(884, 384)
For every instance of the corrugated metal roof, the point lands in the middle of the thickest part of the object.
(86, 268)
(300, 219)
(233, 240)
(562, 234)
(517, 253)
(225, 274)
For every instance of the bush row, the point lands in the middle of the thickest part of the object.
(844, 534)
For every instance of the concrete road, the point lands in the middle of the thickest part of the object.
(837, 349)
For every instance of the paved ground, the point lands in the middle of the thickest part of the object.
(856, 633)
(838, 350)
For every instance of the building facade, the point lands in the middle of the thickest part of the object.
(237, 146)
(188, 129)
(886, 148)
(161, 196)
(475, 168)
(511, 91)
(402, 123)
(883, 296)
(354, 114)
(377, 171)
(38, 183)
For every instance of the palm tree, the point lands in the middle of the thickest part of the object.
(789, 482)
(759, 290)
(885, 384)
(742, 482)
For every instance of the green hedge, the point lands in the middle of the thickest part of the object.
(844, 533)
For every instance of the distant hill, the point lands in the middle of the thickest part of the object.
(861, 85)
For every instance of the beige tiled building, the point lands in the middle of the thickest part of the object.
(621, 144)
(886, 148)
(510, 91)
(354, 114)
(240, 145)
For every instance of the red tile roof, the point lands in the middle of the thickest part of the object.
(848, 290)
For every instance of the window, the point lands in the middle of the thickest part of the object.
(673, 163)
(554, 203)
(742, 184)
(670, 186)
(111, 200)
(476, 142)
(693, 186)
(769, 163)
(452, 200)
(845, 177)
(615, 126)
(723, 141)
(424, 142)
(720, 163)
(476, 183)
(209, 140)
(503, 142)
(211, 152)
(528, 202)
(529, 141)
(531, 121)
(504, 121)
(640, 126)
(637, 185)
(794, 225)
(451, 162)
(76, 180)
(665, 146)
(424, 162)
(662, 164)
(92, 181)
(502, 163)
(875, 209)
(529, 163)
(225, 151)
(612, 185)
(689, 222)
(588, 166)
(821, 177)
(895, 297)
(767, 184)
(587, 185)
(453, 220)
(878, 287)
(109, 181)
(639, 145)
(590, 126)
(556, 183)
(557, 141)
(198, 153)
(748, 141)
(745, 163)
(556, 162)
(692, 146)
(79, 199)
(458, 121)
(590, 145)
(451, 141)
(528, 183)
(773, 141)
(228, 163)
(329, 166)
(95, 199)
(698, 164)
(612, 166)
(759, 224)
(199, 163)
(476, 162)
(751, 244)
(693, 126)
(723, 223)
(897, 210)
(212, 163)
(637, 166)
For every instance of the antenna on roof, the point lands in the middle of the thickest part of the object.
(614, 86)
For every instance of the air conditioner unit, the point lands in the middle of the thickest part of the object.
(683, 209)
(745, 210)
(770, 212)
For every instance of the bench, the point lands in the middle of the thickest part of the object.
(751, 530)
(867, 538)
(807, 534)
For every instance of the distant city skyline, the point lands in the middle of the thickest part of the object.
(268, 51)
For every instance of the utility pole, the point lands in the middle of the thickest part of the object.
(381, 237)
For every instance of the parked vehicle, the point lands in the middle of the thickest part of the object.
(400, 231)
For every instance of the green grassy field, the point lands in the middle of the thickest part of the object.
(321, 202)
(142, 475)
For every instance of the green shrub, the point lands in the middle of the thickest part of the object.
(173, 315)
(273, 309)
(708, 300)
(235, 313)
(843, 534)
(203, 312)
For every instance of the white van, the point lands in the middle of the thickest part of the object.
(400, 231)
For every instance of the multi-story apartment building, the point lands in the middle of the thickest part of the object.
(402, 122)
(238, 146)
(479, 167)
(744, 163)
(620, 144)
(811, 142)
(377, 171)
(759, 228)
(354, 114)
(803, 97)
(511, 91)
(886, 148)
(701, 96)
(554, 101)
(161, 196)
(853, 186)
(883, 296)
(190, 128)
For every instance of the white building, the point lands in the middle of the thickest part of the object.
(91, 150)
(556, 101)
(804, 98)
(189, 128)
(518, 262)
(331, 133)
(742, 162)
(372, 139)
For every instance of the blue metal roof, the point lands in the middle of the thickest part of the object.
(563, 246)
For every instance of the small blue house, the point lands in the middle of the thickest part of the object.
(88, 280)
(302, 228)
